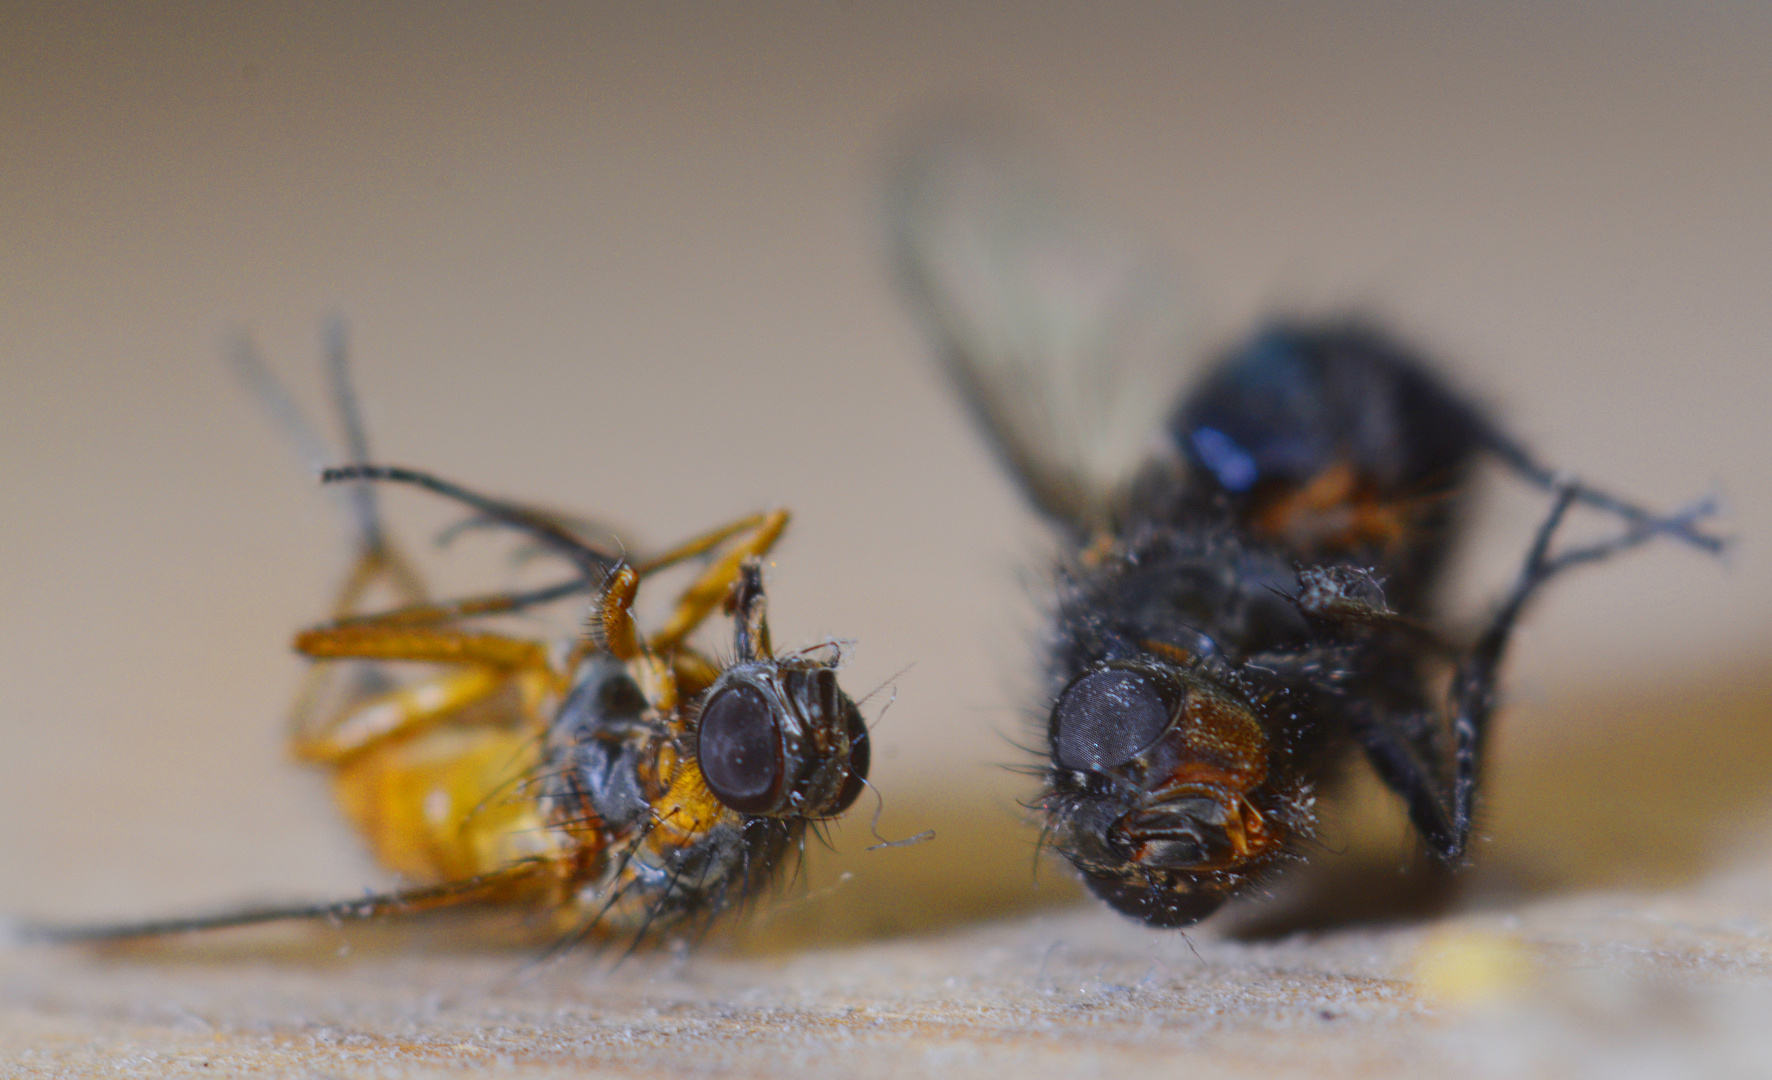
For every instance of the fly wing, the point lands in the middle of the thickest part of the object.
(1059, 331)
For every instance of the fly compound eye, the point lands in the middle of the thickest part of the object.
(739, 748)
(859, 756)
(1108, 716)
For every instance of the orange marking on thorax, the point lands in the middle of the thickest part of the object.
(1099, 549)
(1168, 651)
(1337, 508)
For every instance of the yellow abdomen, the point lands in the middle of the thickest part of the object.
(448, 803)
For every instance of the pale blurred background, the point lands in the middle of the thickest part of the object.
(625, 259)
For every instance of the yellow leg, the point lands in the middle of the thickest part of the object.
(408, 710)
(412, 633)
(416, 611)
(613, 619)
(711, 589)
(704, 543)
(423, 644)
(492, 663)
(615, 630)
(467, 607)
(375, 563)
(692, 671)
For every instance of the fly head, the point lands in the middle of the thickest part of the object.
(781, 739)
(1157, 771)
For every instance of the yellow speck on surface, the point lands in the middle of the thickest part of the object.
(1473, 967)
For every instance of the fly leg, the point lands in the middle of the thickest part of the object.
(1682, 526)
(768, 526)
(664, 665)
(448, 611)
(373, 709)
(544, 528)
(1395, 744)
(714, 586)
(696, 603)
(378, 561)
(750, 615)
(328, 684)
(493, 885)
(423, 631)
(490, 664)
(1402, 743)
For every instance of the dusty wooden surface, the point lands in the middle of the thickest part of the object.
(1602, 984)
(1620, 924)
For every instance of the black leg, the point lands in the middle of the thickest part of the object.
(1682, 526)
(1399, 762)
(595, 564)
(749, 610)
(1444, 818)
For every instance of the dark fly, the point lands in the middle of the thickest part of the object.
(1253, 597)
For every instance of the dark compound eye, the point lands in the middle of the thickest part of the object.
(1106, 717)
(859, 756)
(739, 748)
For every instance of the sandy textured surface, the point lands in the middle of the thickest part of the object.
(1605, 984)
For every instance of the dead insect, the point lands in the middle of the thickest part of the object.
(624, 783)
(1256, 599)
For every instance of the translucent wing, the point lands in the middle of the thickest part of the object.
(1060, 332)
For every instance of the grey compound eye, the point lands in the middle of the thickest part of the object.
(739, 749)
(1106, 717)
